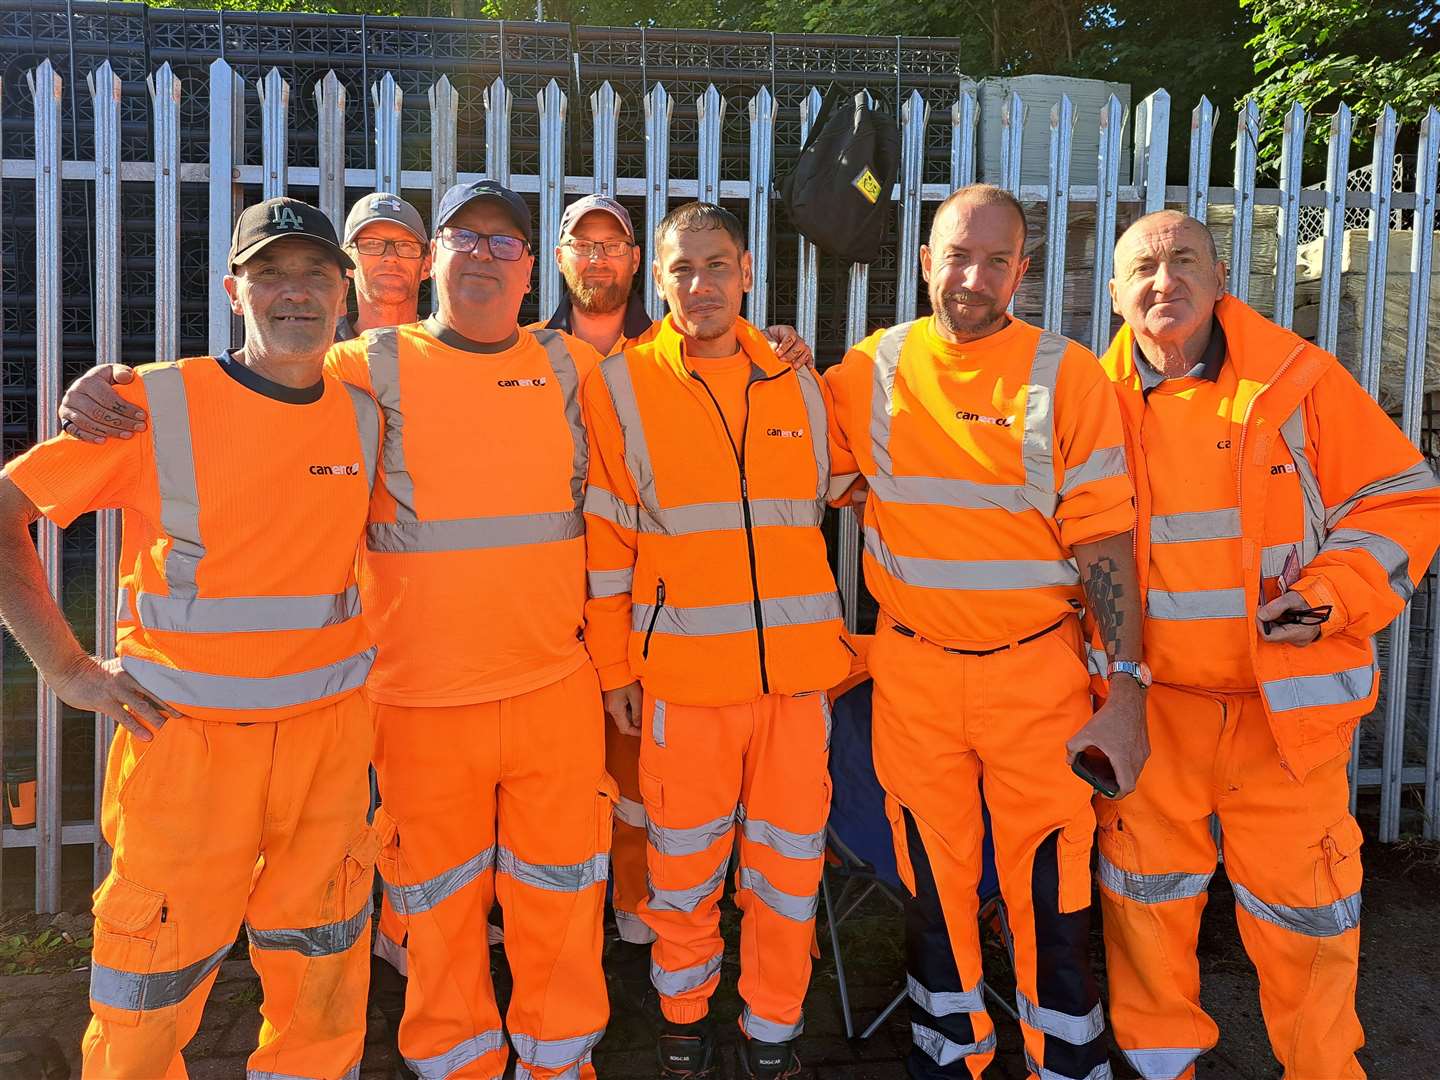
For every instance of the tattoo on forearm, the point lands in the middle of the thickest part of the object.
(1103, 589)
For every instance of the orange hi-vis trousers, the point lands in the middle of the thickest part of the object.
(705, 770)
(507, 799)
(215, 824)
(627, 847)
(1292, 853)
(946, 725)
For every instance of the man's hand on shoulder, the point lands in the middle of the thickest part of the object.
(92, 411)
(790, 346)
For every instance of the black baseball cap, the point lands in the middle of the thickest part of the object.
(463, 194)
(274, 219)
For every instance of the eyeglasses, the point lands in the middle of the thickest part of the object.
(373, 245)
(1309, 616)
(464, 241)
(589, 249)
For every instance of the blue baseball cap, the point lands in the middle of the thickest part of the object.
(462, 195)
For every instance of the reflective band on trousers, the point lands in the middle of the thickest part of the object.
(1162, 1063)
(675, 983)
(1316, 691)
(1196, 604)
(1327, 920)
(1195, 525)
(1150, 888)
(553, 1053)
(980, 574)
(572, 1072)
(352, 1073)
(944, 1052)
(424, 895)
(945, 1002)
(657, 723)
(630, 812)
(243, 614)
(570, 877)
(758, 1027)
(1076, 1030)
(717, 619)
(458, 1056)
(240, 692)
(688, 900)
(689, 841)
(798, 908)
(791, 845)
(1099, 1072)
(326, 940)
(157, 990)
(474, 534)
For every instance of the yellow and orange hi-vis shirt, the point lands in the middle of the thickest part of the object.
(987, 462)
(243, 509)
(474, 572)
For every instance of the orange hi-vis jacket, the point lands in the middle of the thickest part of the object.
(231, 609)
(475, 554)
(1323, 480)
(987, 462)
(709, 580)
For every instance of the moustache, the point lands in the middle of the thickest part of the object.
(964, 296)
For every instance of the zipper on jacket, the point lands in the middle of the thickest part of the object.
(654, 617)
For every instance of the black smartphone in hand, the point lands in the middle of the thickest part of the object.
(1095, 769)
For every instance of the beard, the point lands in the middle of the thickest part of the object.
(985, 317)
(597, 299)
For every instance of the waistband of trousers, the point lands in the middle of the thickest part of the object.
(901, 628)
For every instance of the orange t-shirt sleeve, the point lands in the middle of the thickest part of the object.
(1097, 500)
(66, 477)
(349, 362)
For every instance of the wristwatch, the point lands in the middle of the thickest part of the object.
(1136, 669)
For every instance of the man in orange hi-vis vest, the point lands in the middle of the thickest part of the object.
(998, 505)
(1283, 521)
(715, 625)
(236, 791)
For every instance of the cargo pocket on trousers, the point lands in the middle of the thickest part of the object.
(652, 794)
(1341, 870)
(607, 795)
(896, 815)
(1073, 858)
(133, 940)
(360, 859)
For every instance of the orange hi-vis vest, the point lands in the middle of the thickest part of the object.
(243, 518)
(1323, 480)
(475, 555)
(709, 580)
(987, 462)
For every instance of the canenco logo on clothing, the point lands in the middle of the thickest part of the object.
(335, 470)
(977, 418)
(521, 382)
(785, 433)
(1280, 470)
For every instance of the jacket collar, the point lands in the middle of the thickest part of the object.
(669, 343)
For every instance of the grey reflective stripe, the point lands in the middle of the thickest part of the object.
(458, 1056)
(829, 717)
(716, 517)
(424, 895)
(675, 983)
(1293, 432)
(157, 990)
(798, 908)
(563, 364)
(791, 845)
(190, 614)
(887, 364)
(237, 692)
(1076, 1030)
(382, 353)
(124, 609)
(616, 373)
(1096, 662)
(1195, 525)
(691, 841)
(1393, 558)
(1196, 604)
(1099, 1072)
(1162, 1063)
(1151, 888)
(689, 899)
(1327, 920)
(570, 1073)
(1316, 691)
(610, 507)
(657, 723)
(945, 1002)
(325, 940)
(472, 534)
(563, 877)
(609, 582)
(553, 1053)
(1418, 477)
(1037, 442)
(819, 432)
(175, 475)
(352, 1073)
(949, 491)
(391, 951)
(942, 1051)
(630, 812)
(716, 619)
(980, 575)
(1102, 464)
(757, 1027)
(632, 928)
(367, 423)
(1274, 557)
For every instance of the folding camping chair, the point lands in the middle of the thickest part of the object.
(862, 853)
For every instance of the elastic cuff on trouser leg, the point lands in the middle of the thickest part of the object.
(682, 1011)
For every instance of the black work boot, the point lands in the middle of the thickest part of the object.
(687, 1051)
(770, 1060)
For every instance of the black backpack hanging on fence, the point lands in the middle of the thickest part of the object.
(838, 194)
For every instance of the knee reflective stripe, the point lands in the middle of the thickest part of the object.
(554, 1053)
(1315, 691)
(758, 1027)
(1150, 888)
(688, 900)
(691, 841)
(157, 990)
(630, 812)
(632, 928)
(563, 877)
(799, 908)
(609, 582)
(675, 983)
(424, 895)
(326, 940)
(458, 1056)
(392, 952)
(657, 723)
(1327, 920)
(571, 1073)
(944, 1052)
(943, 1002)
(1162, 1064)
(1099, 1072)
(236, 692)
(1076, 1030)
(352, 1073)
(792, 845)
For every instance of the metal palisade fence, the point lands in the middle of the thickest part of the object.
(1343, 283)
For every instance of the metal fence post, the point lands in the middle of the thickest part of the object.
(808, 271)
(274, 133)
(497, 132)
(1152, 149)
(1202, 134)
(1012, 142)
(711, 114)
(1376, 268)
(389, 102)
(963, 116)
(605, 115)
(1337, 169)
(444, 161)
(330, 114)
(1057, 217)
(1291, 159)
(658, 107)
(165, 94)
(762, 155)
(914, 118)
(552, 105)
(227, 146)
(1107, 192)
(1242, 235)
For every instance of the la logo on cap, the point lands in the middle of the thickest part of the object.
(282, 217)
